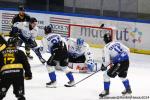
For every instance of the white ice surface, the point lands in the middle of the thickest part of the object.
(139, 73)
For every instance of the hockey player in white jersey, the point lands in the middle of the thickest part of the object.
(116, 55)
(80, 55)
(27, 32)
(57, 47)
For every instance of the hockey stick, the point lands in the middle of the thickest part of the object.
(52, 58)
(83, 79)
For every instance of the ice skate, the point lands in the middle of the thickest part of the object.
(127, 91)
(104, 93)
(51, 84)
(70, 84)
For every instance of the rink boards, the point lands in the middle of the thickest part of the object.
(133, 33)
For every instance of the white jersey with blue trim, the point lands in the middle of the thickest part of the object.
(114, 52)
(25, 31)
(77, 51)
(49, 40)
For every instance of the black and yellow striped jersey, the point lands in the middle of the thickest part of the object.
(13, 60)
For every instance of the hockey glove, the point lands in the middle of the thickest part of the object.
(28, 76)
(103, 68)
(90, 65)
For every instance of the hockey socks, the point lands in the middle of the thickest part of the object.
(106, 85)
(37, 52)
(70, 76)
(126, 84)
(52, 76)
(105, 92)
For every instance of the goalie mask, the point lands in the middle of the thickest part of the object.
(107, 38)
(80, 41)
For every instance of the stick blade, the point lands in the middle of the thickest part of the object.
(68, 85)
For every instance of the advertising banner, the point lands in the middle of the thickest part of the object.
(133, 34)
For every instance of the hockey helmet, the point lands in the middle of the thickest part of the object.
(21, 8)
(80, 41)
(107, 38)
(12, 42)
(33, 19)
(48, 29)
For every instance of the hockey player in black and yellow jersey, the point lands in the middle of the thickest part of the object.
(14, 67)
(2, 43)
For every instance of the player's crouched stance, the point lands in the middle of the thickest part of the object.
(117, 54)
(27, 32)
(13, 63)
(80, 56)
(58, 49)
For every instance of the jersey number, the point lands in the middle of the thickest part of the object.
(9, 60)
(118, 49)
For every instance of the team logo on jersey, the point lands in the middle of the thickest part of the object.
(136, 35)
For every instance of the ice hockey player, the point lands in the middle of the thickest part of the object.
(13, 63)
(80, 54)
(22, 17)
(57, 47)
(116, 54)
(3, 43)
(27, 32)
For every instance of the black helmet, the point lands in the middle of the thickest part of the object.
(12, 42)
(48, 29)
(21, 8)
(33, 19)
(107, 38)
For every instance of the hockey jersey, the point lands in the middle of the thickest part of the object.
(114, 52)
(25, 31)
(13, 61)
(49, 40)
(77, 51)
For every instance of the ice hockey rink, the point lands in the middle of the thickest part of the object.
(90, 88)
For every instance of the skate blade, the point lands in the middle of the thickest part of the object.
(103, 97)
(50, 86)
(127, 94)
(69, 85)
